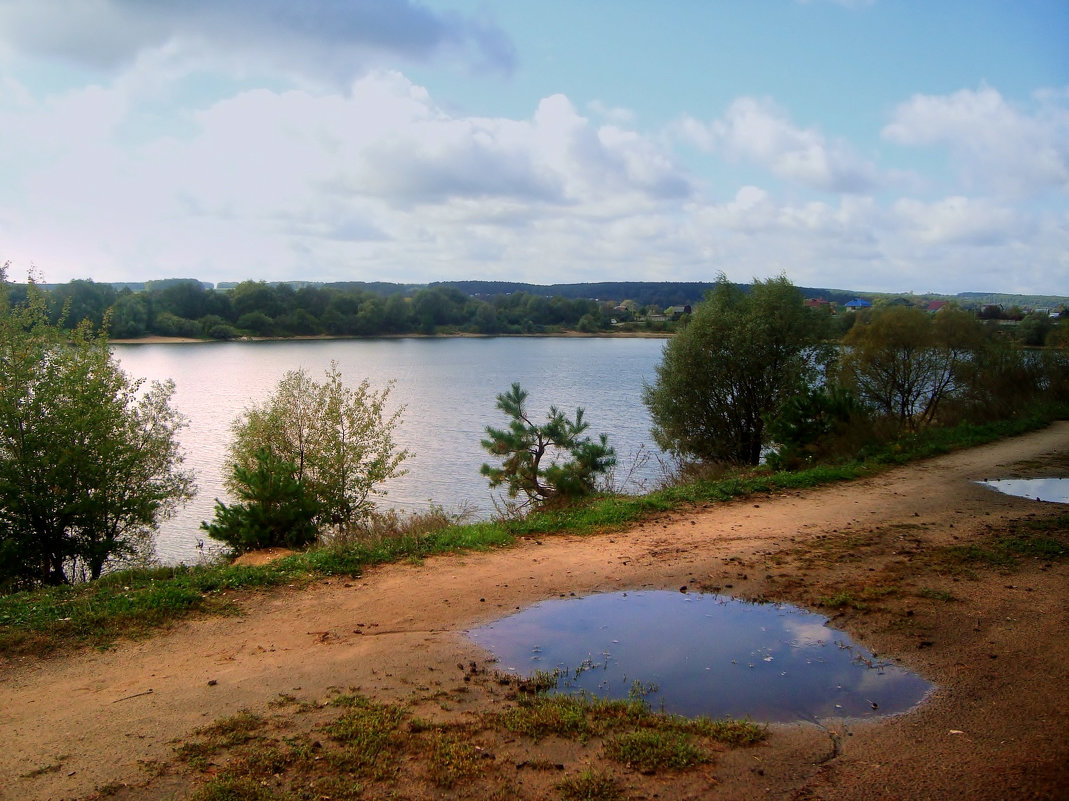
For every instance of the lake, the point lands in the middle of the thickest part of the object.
(448, 387)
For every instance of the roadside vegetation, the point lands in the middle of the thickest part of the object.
(754, 396)
(134, 603)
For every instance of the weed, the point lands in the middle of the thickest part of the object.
(649, 751)
(453, 760)
(231, 788)
(224, 733)
(590, 785)
(935, 595)
(842, 599)
(575, 717)
(726, 731)
(371, 733)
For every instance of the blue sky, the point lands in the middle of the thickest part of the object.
(882, 146)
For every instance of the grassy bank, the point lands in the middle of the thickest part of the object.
(136, 602)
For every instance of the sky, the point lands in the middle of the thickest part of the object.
(875, 145)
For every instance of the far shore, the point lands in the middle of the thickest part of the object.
(162, 340)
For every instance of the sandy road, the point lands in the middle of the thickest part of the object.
(999, 652)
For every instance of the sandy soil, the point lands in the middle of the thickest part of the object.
(996, 727)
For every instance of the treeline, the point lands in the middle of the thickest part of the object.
(255, 308)
(191, 308)
(760, 376)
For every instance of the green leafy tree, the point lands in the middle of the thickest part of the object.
(821, 424)
(274, 509)
(547, 461)
(89, 459)
(905, 363)
(339, 439)
(731, 368)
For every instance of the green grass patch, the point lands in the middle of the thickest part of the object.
(590, 785)
(572, 717)
(651, 751)
(1042, 540)
(453, 760)
(582, 716)
(234, 788)
(841, 600)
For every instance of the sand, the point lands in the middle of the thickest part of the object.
(995, 727)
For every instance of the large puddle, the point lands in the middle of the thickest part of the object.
(700, 654)
(1055, 490)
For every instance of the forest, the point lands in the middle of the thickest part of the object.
(190, 308)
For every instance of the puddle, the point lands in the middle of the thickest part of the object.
(1055, 490)
(697, 654)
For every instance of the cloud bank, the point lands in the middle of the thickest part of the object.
(172, 161)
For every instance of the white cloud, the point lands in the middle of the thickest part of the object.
(140, 176)
(996, 146)
(759, 132)
(963, 221)
(320, 38)
(264, 181)
(615, 115)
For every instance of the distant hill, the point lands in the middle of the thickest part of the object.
(644, 293)
(679, 293)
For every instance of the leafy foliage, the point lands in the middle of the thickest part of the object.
(819, 425)
(89, 461)
(574, 461)
(338, 441)
(905, 362)
(274, 511)
(735, 364)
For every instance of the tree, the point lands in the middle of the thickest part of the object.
(730, 369)
(905, 363)
(274, 510)
(89, 459)
(338, 440)
(574, 461)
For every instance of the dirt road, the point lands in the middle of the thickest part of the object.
(993, 639)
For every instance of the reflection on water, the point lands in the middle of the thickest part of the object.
(703, 655)
(1055, 490)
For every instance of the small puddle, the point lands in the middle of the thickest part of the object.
(701, 654)
(1054, 490)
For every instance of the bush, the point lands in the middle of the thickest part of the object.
(820, 425)
(339, 439)
(575, 461)
(275, 511)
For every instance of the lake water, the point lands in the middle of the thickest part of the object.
(448, 386)
(703, 654)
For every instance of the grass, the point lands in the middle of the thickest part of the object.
(221, 735)
(134, 603)
(590, 785)
(1043, 540)
(581, 717)
(231, 788)
(453, 760)
(356, 747)
(650, 751)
